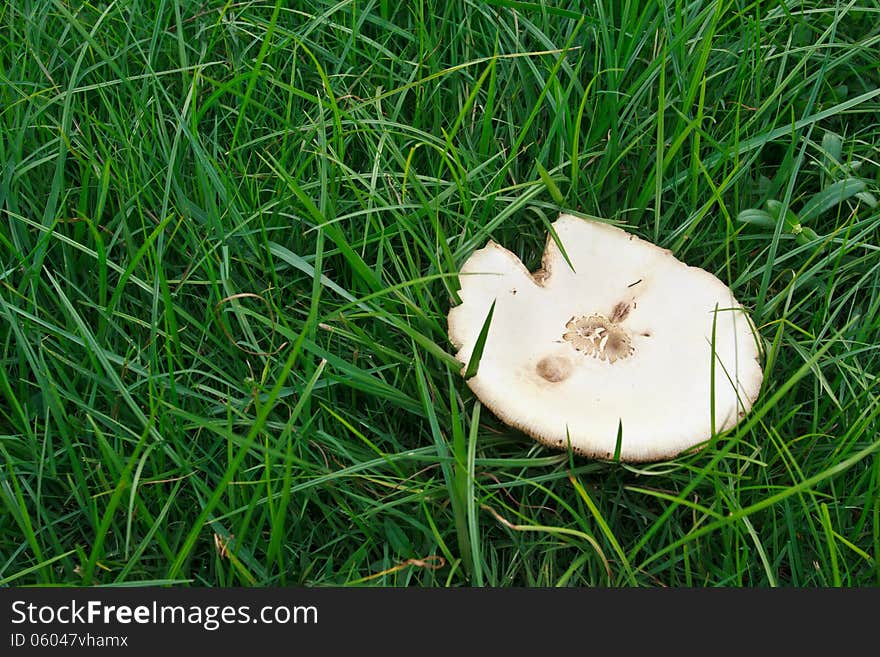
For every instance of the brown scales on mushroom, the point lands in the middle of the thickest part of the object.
(599, 337)
(621, 310)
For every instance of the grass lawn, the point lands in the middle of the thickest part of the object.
(230, 236)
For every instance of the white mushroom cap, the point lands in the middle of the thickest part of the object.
(621, 339)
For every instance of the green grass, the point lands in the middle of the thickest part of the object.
(229, 239)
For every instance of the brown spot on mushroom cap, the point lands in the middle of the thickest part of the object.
(620, 312)
(553, 368)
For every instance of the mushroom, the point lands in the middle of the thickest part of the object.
(624, 352)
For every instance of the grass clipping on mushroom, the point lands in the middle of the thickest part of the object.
(627, 351)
